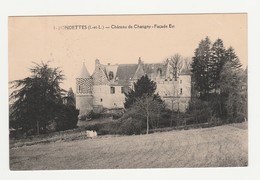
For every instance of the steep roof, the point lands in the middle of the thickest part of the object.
(155, 69)
(84, 72)
(126, 71)
(139, 72)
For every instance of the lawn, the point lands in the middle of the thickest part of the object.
(223, 146)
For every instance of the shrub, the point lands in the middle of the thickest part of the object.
(214, 121)
(199, 110)
(67, 117)
(117, 115)
(104, 128)
(130, 126)
(82, 117)
(240, 118)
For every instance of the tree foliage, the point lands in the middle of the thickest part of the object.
(36, 99)
(69, 99)
(144, 85)
(218, 76)
(143, 106)
(200, 66)
(216, 63)
(176, 62)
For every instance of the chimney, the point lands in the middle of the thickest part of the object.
(97, 62)
(139, 60)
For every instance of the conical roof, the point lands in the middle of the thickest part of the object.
(84, 72)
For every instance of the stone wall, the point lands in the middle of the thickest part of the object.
(84, 103)
(103, 95)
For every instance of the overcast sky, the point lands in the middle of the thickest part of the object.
(46, 39)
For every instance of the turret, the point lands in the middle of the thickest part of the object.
(84, 86)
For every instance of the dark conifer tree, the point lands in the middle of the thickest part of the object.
(217, 60)
(200, 67)
(36, 98)
(143, 86)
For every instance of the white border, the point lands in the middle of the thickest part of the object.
(79, 7)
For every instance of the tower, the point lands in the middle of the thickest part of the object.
(84, 87)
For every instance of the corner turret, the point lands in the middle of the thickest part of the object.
(84, 87)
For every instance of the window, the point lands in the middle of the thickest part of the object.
(122, 90)
(79, 89)
(101, 100)
(159, 72)
(180, 81)
(181, 91)
(110, 75)
(112, 90)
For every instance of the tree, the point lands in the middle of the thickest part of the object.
(36, 98)
(200, 67)
(231, 78)
(187, 64)
(69, 99)
(147, 105)
(218, 69)
(216, 63)
(144, 85)
(176, 63)
(143, 104)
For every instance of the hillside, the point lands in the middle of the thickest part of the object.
(209, 147)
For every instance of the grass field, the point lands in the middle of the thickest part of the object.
(210, 147)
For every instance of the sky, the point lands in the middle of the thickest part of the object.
(115, 39)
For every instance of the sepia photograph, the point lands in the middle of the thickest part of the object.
(128, 91)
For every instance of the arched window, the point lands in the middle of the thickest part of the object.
(79, 89)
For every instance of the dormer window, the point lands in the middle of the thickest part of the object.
(110, 75)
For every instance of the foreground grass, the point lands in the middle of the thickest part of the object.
(210, 147)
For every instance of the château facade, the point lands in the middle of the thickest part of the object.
(106, 86)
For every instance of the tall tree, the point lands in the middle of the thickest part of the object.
(230, 84)
(187, 65)
(143, 104)
(216, 62)
(176, 63)
(69, 99)
(148, 106)
(144, 85)
(200, 67)
(36, 98)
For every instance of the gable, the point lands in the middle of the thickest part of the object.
(99, 76)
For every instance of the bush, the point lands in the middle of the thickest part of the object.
(104, 128)
(130, 126)
(214, 121)
(240, 118)
(200, 111)
(82, 117)
(117, 115)
(67, 117)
